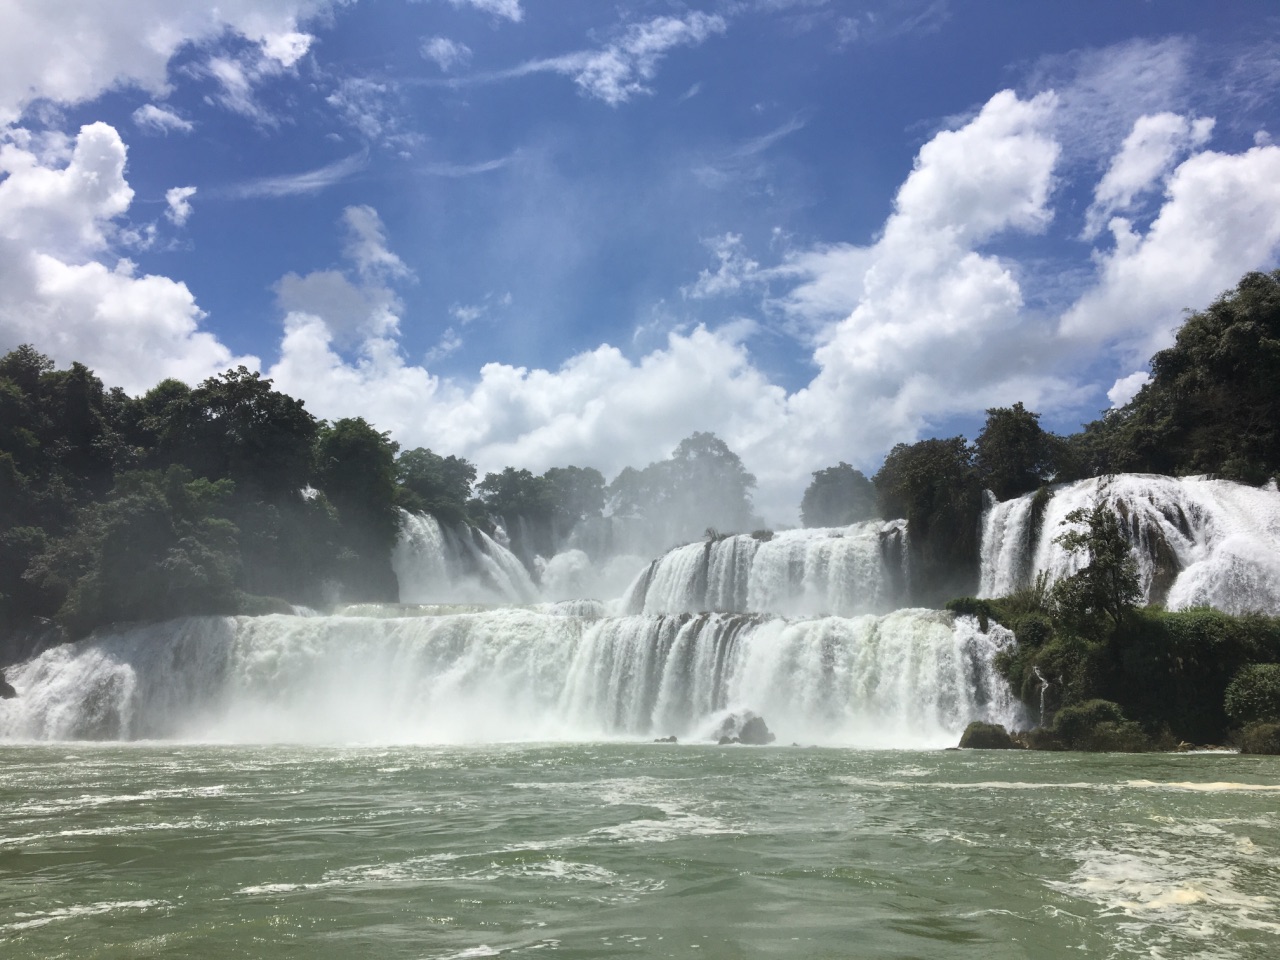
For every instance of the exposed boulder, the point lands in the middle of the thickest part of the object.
(745, 727)
(986, 736)
(6, 690)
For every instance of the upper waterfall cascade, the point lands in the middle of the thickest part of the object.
(1196, 541)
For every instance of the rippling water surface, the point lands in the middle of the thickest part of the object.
(634, 850)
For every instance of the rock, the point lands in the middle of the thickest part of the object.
(725, 741)
(745, 727)
(755, 731)
(6, 691)
(986, 736)
(670, 739)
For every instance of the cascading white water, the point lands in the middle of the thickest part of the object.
(445, 666)
(912, 678)
(843, 571)
(438, 565)
(1196, 541)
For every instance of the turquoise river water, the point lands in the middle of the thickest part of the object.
(635, 850)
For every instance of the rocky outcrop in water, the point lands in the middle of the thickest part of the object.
(745, 727)
(987, 736)
(6, 690)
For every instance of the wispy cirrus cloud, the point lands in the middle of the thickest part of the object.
(620, 69)
(294, 184)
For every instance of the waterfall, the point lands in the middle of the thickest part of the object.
(1196, 541)
(910, 678)
(438, 565)
(842, 571)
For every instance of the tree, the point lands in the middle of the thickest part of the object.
(1013, 454)
(577, 494)
(1107, 585)
(1213, 402)
(933, 485)
(703, 484)
(157, 547)
(434, 484)
(837, 497)
(355, 468)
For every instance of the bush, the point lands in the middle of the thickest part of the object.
(1263, 738)
(1100, 726)
(1033, 630)
(1254, 694)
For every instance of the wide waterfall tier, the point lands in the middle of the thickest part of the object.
(436, 564)
(912, 678)
(841, 571)
(1196, 541)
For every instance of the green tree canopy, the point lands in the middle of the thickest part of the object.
(933, 485)
(1107, 584)
(434, 484)
(1013, 454)
(837, 497)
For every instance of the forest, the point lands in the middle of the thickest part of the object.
(230, 497)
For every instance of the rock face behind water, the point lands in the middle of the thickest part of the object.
(987, 736)
(6, 691)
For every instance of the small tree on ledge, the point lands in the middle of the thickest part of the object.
(1108, 585)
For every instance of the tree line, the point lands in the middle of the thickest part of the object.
(231, 497)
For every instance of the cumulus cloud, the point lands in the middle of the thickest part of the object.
(933, 327)
(1220, 218)
(1146, 158)
(356, 304)
(1126, 388)
(153, 119)
(64, 210)
(57, 225)
(445, 53)
(73, 51)
(179, 201)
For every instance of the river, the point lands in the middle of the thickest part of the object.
(633, 849)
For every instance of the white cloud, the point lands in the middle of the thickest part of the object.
(1220, 218)
(179, 201)
(450, 342)
(355, 305)
(366, 245)
(74, 50)
(446, 53)
(66, 211)
(735, 270)
(1126, 388)
(932, 328)
(308, 181)
(622, 68)
(508, 9)
(56, 224)
(153, 119)
(1146, 158)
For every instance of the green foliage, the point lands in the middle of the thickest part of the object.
(1013, 455)
(356, 470)
(1107, 586)
(1254, 694)
(1213, 403)
(1261, 738)
(430, 483)
(837, 497)
(932, 483)
(1100, 725)
(157, 547)
(702, 484)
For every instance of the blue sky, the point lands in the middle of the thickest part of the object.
(539, 234)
